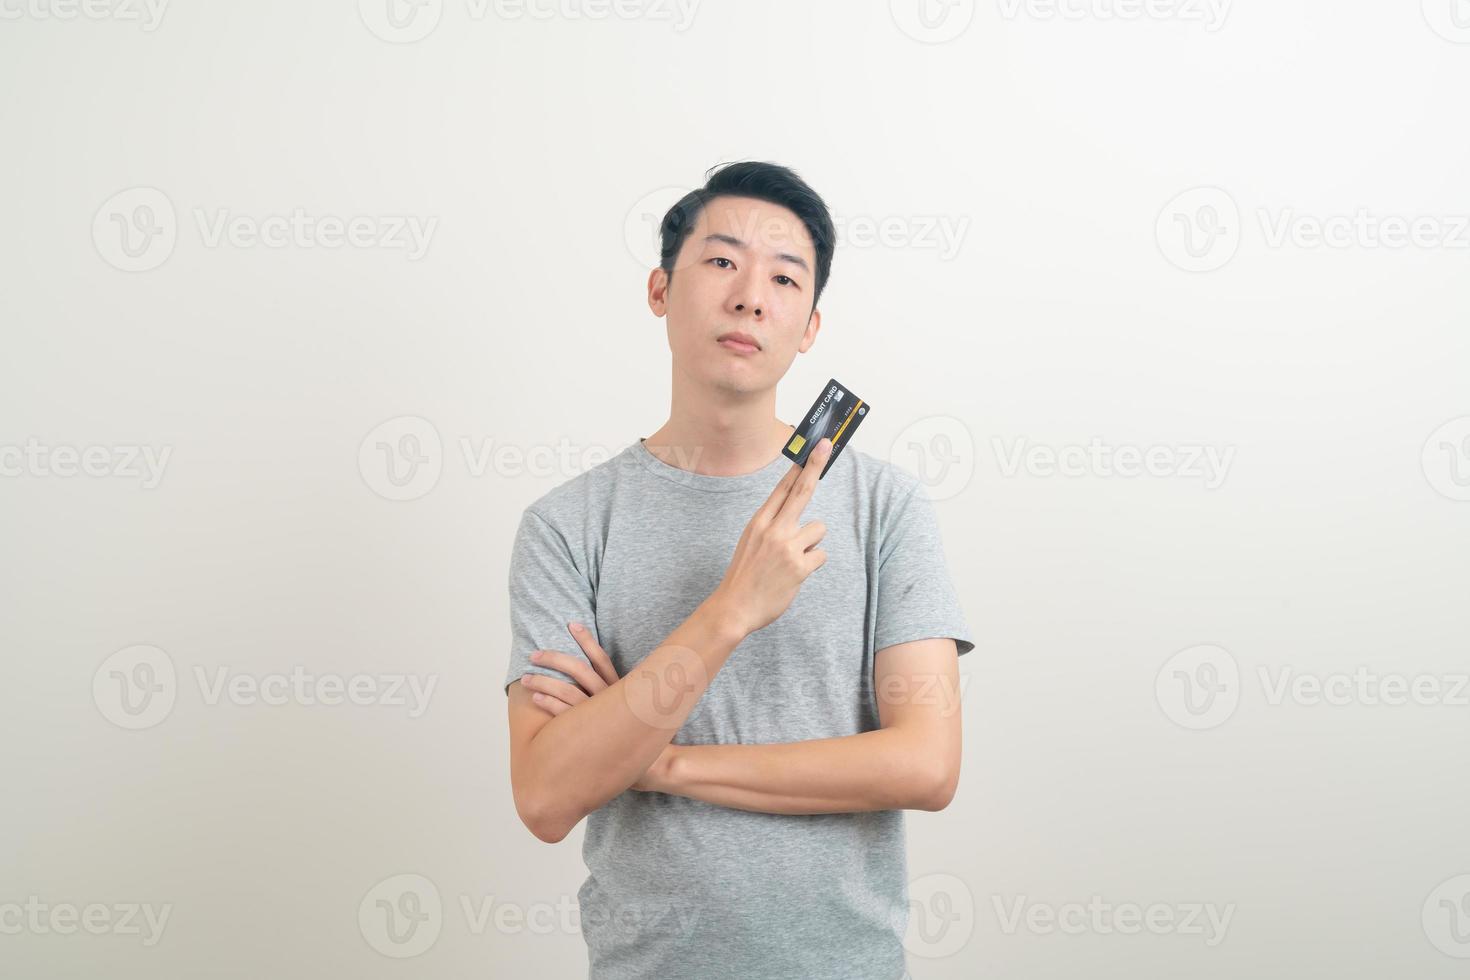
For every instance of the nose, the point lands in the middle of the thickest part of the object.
(747, 297)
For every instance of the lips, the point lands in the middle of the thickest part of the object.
(738, 340)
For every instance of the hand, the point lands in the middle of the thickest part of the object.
(591, 678)
(558, 696)
(774, 555)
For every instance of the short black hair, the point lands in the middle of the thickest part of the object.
(762, 181)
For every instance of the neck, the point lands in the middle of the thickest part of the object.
(719, 431)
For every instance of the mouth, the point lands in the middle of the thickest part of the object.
(743, 343)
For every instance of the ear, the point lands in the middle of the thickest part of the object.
(813, 324)
(658, 291)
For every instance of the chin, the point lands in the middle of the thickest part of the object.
(734, 379)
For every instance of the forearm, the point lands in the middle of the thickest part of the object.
(584, 757)
(884, 769)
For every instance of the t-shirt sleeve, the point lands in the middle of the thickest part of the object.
(916, 599)
(548, 590)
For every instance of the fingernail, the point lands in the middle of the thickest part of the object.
(576, 627)
(535, 654)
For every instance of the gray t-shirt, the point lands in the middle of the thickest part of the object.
(680, 888)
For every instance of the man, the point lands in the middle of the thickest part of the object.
(742, 704)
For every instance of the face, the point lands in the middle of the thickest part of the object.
(747, 268)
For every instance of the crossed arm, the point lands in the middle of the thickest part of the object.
(912, 761)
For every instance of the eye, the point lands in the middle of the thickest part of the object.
(721, 258)
(789, 280)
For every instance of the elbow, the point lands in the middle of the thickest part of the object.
(547, 827)
(546, 821)
(549, 832)
(938, 787)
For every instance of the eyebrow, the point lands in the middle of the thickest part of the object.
(737, 243)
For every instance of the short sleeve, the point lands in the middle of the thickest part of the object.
(916, 598)
(548, 590)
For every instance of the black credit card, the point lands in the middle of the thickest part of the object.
(835, 414)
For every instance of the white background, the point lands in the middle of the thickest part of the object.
(1079, 300)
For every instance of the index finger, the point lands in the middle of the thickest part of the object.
(768, 510)
(806, 483)
(601, 662)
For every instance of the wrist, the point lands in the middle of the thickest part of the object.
(669, 766)
(724, 618)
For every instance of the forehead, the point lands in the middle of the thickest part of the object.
(761, 225)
